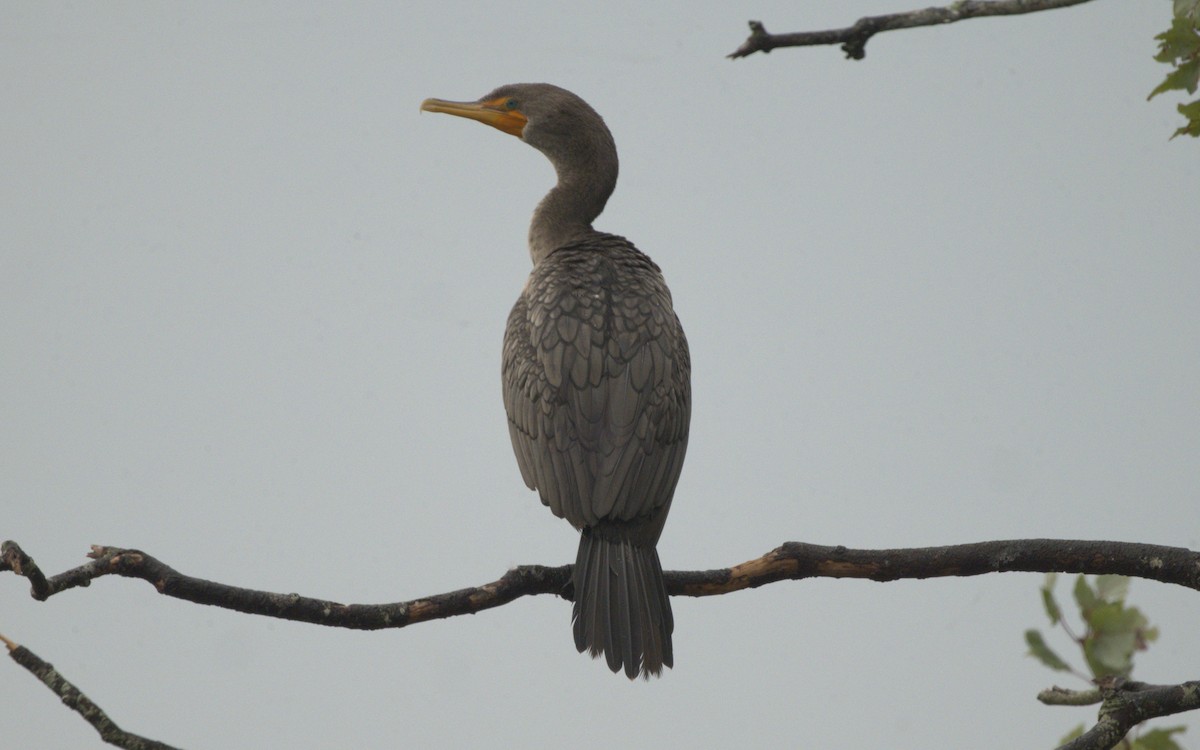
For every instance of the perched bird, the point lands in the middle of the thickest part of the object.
(596, 377)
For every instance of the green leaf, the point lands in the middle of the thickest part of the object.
(1114, 634)
(1187, 9)
(1186, 77)
(1191, 110)
(1178, 42)
(1085, 597)
(1042, 652)
(1159, 739)
(1048, 601)
(1111, 654)
(1112, 588)
(1074, 733)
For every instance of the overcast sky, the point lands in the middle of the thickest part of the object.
(251, 305)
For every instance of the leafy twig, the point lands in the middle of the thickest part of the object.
(1179, 47)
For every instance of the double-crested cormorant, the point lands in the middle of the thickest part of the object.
(596, 378)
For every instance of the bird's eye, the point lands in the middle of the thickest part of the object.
(510, 104)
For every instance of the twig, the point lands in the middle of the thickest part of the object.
(1127, 704)
(791, 561)
(1059, 696)
(14, 558)
(854, 38)
(73, 698)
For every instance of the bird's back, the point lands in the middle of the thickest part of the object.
(596, 386)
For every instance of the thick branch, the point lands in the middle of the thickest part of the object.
(792, 561)
(854, 38)
(73, 698)
(1127, 704)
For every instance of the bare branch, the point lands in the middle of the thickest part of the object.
(130, 563)
(791, 561)
(854, 38)
(797, 560)
(1127, 704)
(73, 698)
(1124, 705)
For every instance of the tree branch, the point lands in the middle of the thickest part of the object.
(73, 698)
(791, 561)
(1059, 696)
(854, 38)
(1127, 704)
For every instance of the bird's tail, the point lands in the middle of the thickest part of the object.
(621, 606)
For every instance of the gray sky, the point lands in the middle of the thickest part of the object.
(251, 305)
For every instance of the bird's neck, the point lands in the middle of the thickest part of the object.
(568, 210)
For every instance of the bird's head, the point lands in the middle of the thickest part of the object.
(551, 119)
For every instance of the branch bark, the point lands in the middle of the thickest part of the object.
(73, 698)
(791, 561)
(854, 38)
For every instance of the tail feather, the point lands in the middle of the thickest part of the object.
(621, 606)
(628, 619)
(654, 589)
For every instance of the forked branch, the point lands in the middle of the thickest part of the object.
(1127, 704)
